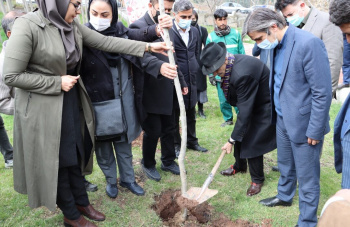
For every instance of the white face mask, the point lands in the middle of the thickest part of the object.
(100, 24)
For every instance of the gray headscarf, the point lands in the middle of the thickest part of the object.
(55, 11)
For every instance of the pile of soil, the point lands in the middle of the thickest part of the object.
(169, 206)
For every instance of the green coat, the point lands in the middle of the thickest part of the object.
(34, 62)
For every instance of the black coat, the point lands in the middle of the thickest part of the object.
(187, 62)
(201, 78)
(249, 91)
(154, 93)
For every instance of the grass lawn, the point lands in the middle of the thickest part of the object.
(130, 210)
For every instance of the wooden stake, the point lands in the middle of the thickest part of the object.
(182, 113)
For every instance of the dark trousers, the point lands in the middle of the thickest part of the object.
(191, 127)
(5, 146)
(256, 164)
(298, 162)
(71, 191)
(158, 126)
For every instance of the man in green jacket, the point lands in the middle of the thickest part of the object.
(234, 45)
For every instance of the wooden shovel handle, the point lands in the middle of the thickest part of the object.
(218, 162)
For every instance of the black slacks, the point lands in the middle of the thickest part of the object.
(191, 127)
(256, 164)
(71, 191)
(158, 126)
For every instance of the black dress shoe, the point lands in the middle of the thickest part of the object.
(112, 190)
(89, 186)
(173, 168)
(275, 168)
(133, 187)
(151, 173)
(274, 201)
(201, 114)
(197, 148)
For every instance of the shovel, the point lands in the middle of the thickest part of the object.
(203, 194)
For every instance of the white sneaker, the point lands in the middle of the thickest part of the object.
(9, 164)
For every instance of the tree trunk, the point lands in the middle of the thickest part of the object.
(9, 5)
(31, 5)
(181, 157)
(2, 7)
(24, 5)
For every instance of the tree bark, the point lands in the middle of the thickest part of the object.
(181, 157)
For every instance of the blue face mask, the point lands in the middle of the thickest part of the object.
(295, 20)
(184, 24)
(267, 45)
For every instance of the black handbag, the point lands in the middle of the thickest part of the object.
(109, 116)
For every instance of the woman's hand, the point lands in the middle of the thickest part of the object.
(68, 82)
(159, 47)
(168, 71)
(227, 147)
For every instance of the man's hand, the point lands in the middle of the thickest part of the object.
(185, 91)
(212, 80)
(312, 141)
(68, 82)
(165, 21)
(227, 147)
(168, 71)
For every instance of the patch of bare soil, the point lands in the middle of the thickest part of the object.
(169, 206)
(138, 141)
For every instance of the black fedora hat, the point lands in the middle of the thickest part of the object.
(213, 57)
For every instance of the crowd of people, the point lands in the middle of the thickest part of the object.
(91, 88)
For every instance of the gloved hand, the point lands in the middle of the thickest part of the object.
(212, 80)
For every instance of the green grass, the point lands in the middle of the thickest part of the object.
(131, 210)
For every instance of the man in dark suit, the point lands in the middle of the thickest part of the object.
(154, 97)
(186, 48)
(317, 23)
(301, 94)
(339, 11)
(245, 85)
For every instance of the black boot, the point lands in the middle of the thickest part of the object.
(200, 111)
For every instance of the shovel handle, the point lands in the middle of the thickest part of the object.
(218, 162)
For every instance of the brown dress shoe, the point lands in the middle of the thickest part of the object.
(231, 171)
(80, 222)
(91, 213)
(254, 189)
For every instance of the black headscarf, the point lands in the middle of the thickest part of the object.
(114, 30)
(55, 11)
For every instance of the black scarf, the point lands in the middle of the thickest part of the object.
(224, 32)
(116, 30)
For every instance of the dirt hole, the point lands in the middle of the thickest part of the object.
(169, 204)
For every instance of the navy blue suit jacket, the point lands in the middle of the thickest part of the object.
(306, 90)
(338, 124)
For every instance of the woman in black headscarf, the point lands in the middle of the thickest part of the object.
(54, 122)
(108, 78)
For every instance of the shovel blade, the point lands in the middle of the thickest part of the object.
(194, 192)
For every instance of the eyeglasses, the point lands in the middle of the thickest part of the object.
(76, 6)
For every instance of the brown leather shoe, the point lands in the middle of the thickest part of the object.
(80, 222)
(254, 189)
(231, 171)
(91, 213)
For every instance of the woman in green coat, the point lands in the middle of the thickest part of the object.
(54, 122)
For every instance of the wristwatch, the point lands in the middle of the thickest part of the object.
(231, 141)
(148, 47)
